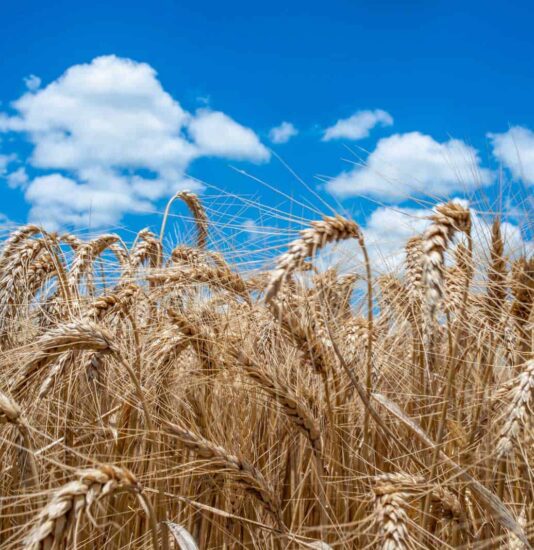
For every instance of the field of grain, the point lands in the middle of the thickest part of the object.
(174, 400)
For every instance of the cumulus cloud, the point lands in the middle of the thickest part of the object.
(107, 129)
(410, 164)
(515, 149)
(282, 133)
(358, 126)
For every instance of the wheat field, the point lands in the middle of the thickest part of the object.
(167, 398)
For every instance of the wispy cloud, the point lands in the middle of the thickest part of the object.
(32, 82)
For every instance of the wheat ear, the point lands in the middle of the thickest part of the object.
(518, 410)
(113, 301)
(448, 219)
(59, 518)
(147, 248)
(71, 240)
(85, 255)
(215, 276)
(244, 473)
(198, 211)
(81, 335)
(391, 492)
(414, 263)
(523, 293)
(329, 229)
(297, 412)
(13, 242)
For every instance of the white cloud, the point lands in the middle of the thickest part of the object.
(409, 164)
(18, 178)
(32, 82)
(111, 123)
(216, 134)
(358, 125)
(111, 112)
(282, 133)
(515, 149)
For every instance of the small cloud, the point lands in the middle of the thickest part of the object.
(358, 126)
(32, 82)
(18, 178)
(3, 163)
(515, 150)
(282, 133)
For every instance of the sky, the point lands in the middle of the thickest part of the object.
(379, 109)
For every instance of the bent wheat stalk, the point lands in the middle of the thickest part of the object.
(198, 211)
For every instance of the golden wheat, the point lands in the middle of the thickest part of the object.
(153, 395)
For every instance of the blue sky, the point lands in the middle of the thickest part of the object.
(132, 99)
